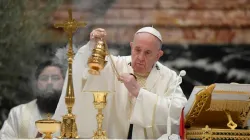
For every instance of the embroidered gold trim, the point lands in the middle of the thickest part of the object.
(214, 134)
(145, 133)
(231, 105)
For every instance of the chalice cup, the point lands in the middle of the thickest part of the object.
(100, 101)
(48, 127)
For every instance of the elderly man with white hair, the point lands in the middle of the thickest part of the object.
(143, 96)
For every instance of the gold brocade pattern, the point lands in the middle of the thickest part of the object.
(141, 80)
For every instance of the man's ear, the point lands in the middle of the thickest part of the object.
(160, 53)
(131, 45)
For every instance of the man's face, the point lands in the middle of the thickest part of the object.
(50, 80)
(145, 51)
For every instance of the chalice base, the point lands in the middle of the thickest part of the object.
(99, 134)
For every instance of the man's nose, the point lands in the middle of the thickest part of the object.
(141, 56)
(49, 80)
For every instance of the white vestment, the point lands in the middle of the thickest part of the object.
(21, 122)
(151, 106)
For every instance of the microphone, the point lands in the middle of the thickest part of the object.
(182, 73)
(178, 82)
(179, 79)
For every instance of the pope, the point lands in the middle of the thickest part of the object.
(146, 99)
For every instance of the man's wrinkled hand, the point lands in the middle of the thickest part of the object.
(130, 83)
(98, 33)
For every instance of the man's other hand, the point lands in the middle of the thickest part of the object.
(98, 33)
(130, 83)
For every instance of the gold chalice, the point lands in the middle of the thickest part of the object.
(48, 127)
(100, 101)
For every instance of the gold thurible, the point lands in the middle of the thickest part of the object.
(96, 61)
(68, 126)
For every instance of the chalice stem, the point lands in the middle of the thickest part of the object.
(99, 118)
(48, 135)
(69, 110)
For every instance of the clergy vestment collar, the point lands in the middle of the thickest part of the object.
(153, 76)
(155, 65)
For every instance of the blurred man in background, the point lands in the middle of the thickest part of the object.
(48, 83)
